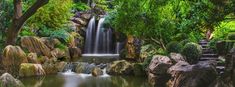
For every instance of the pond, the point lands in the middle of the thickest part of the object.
(84, 80)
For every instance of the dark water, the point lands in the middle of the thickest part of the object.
(75, 80)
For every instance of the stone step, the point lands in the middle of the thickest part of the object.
(203, 43)
(220, 69)
(208, 58)
(209, 55)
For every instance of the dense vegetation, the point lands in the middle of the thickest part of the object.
(156, 22)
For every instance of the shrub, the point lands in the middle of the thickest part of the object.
(231, 36)
(192, 52)
(184, 42)
(173, 47)
(180, 37)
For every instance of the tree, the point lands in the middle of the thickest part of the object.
(19, 18)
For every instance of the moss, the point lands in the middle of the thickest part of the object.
(27, 69)
(138, 69)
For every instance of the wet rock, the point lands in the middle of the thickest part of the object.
(32, 58)
(35, 45)
(50, 42)
(97, 72)
(84, 68)
(13, 56)
(7, 80)
(80, 21)
(201, 74)
(60, 66)
(176, 57)
(75, 53)
(30, 69)
(157, 70)
(121, 67)
(102, 65)
(86, 16)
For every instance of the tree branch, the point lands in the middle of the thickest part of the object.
(32, 10)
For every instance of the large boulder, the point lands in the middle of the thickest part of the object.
(157, 70)
(13, 56)
(75, 54)
(30, 69)
(35, 45)
(201, 74)
(60, 66)
(7, 80)
(120, 67)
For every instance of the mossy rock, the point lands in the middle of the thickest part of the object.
(13, 56)
(30, 69)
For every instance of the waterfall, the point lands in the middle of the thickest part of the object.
(99, 34)
(99, 39)
(90, 36)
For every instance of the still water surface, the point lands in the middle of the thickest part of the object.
(85, 80)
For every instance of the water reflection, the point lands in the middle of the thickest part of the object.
(84, 80)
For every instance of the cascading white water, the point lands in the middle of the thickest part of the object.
(90, 36)
(99, 34)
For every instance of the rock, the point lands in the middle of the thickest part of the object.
(121, 67)
(80, 21)
(35, 45)
(50, 42)
(13, 56)
(97, 72)
(86, 16)
(30, 69)
(60, 66)
(132, 49)
(7, 80)
(32, 58)
(84, 68)
(43, 59)
(201, 74)
(138, 69)
(176, 57)
(58, 53)
(157, 70)
(75, 53)
(78, 40)
(50, 68)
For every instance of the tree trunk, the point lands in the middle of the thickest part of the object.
(19, 19)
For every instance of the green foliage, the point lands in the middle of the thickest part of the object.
(51, 16)
(192, 52)
(27, 31)
(180, 37)
(80, 6)
(147, 62)
(184, 42)
(61, 46)
(173, 46)
(231, 36)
